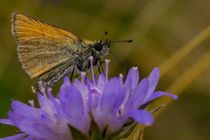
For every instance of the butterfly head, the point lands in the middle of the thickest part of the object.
(102, 47)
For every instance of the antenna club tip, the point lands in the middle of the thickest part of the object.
(130, 40)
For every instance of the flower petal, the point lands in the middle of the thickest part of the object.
(30, 138)
(46, 104)
(84, 92)
(26, 124)
(15, 137)
(158, 94)
(73, 105)
(141, 116)
(6, 121)
(29, 120)
(112, 96)
(132, 78)
(153, 81)
(40, 128)
(137, 97)
(101, 81)
(25, 110)
(111, 100)
(58, 106)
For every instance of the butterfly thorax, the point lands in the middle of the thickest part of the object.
(98, 50)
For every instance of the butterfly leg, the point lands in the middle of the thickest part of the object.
(72, 73)
(100, 68)
(35, 88)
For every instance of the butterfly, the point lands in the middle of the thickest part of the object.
(49, 53)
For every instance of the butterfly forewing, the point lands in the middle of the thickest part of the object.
(42, 47)
(25, 27)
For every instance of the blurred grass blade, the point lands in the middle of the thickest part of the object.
(137, 134)
(184, 51)
(191, 75)
(185, 80)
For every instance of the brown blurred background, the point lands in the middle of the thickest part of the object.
(159, 29)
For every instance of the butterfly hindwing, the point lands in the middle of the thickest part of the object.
(54, 75)
(51, 77)
(41, 56)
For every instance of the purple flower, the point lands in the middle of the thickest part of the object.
(107, 103)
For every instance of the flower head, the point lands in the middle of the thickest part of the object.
(106, 103)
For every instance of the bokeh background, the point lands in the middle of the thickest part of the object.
(159, 28)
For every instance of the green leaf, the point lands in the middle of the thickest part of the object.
(94, 130)
(157, 109)
(147, 105)
(76, 134)
(124, 132)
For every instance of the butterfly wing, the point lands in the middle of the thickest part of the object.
(39, 57)
(42, 47)
(25, 27)
(54, 75)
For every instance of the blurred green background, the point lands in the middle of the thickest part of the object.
(159, 29)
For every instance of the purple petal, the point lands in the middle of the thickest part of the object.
(6, 121)
(15, 137)
(58, 106)
(153, 81)
(66, 81)
(112, 96)
(46, 104)
(84, 92)
(25, 124)
(158, 94)
(89, 82)
(25, 110)
(72, 103)
(132, 78)
(40, 127)
(111, 99)
(101, 81)
(30, 138)
(137, 96)
(141, 116)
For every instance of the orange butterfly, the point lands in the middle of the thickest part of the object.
(49, 53)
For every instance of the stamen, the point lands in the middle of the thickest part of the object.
(134, 81)
(107, 68)
(83, 76)
(121, 110)
(31, 102)
(42, 89)
(121, 78)
(91, 67)
(49, 91)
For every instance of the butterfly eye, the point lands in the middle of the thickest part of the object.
(98, 46)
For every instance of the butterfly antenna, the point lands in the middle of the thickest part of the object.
(121, 61)
(105, 34)
(126, 41)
